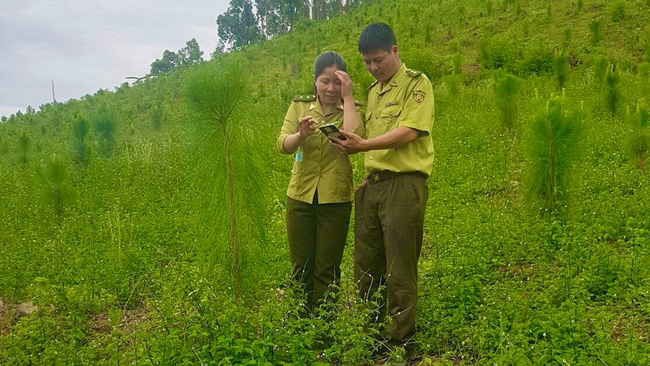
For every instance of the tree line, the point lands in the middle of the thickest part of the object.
(251, 21)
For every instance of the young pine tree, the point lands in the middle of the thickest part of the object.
(600, 70)
(23, 145)
(552, 151)
(596, 32)
(104, 124)
(561, 68)
(227, 171)
(638, 143)
(612, 92)
(56, 188)
(644, 79)
(80, 148)
(157, 114)
(506, 87)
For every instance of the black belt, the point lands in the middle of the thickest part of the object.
(387, 174)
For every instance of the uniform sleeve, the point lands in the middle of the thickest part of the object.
(289, 127)
(417, 112)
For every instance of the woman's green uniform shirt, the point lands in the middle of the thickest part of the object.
(318, 167)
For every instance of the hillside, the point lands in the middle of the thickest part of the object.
(106, 201)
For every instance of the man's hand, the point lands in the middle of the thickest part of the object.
(352, 145)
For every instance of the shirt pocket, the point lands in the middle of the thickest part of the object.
(389, 115)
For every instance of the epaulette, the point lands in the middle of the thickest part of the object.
(359, 103)
(371, 85)
(304, 98)
(413, 73)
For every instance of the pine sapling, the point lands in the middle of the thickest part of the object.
(612, 92)
(552, 149)
(596, 32)
(506, 87)
(228, 174)
(561, 68)
(80, 148)
(638, 143)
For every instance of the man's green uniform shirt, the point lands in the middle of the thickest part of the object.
(405, 101)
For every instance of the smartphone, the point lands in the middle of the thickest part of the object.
(331, 130)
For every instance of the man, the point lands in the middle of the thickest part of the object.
(390, 202)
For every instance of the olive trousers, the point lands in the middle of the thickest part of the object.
(388, 230)
(317, 234)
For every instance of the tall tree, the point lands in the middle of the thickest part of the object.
(190, 54)
(165, 65)
(238, 26)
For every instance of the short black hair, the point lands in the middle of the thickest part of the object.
(377, 36)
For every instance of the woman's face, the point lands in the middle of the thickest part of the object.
(328, 86)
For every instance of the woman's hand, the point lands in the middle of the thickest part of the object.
(346, 85)
(306, 127)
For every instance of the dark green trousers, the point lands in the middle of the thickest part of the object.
(317, 234)
(388, 230)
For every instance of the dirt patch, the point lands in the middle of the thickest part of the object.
(11, 313)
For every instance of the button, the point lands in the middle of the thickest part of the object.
(370, 157)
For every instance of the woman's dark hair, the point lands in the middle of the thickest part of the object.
(328, 59)
(376, 36)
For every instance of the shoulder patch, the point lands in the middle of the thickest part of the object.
(304, 98)
(413, 73)
(371, 85)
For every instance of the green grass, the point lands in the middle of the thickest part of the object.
(118, 273)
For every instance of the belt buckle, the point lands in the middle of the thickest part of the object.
(375, 177)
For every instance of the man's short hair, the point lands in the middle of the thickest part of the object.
(376, 36)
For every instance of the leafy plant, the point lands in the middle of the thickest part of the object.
(506, 87)
(638, 143)
(552, 152)
(232, 191)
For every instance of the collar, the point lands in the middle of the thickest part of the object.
(317, 107)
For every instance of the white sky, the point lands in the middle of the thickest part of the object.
(87, 45)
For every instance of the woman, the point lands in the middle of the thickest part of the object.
(320, 192)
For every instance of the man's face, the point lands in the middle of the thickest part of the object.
(381, 64)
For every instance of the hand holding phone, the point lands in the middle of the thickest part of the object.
(332, 130)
